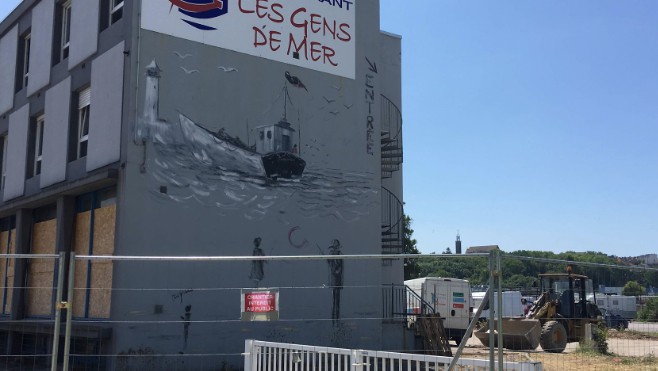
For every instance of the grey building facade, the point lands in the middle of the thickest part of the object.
(199, 128)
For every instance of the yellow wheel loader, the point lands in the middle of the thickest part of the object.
(558, 316)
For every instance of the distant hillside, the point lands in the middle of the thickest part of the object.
(520, 274)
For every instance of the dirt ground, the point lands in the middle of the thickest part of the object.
(628, 351)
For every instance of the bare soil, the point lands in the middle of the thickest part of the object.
(628, 351)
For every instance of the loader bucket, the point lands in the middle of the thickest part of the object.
(518, 333)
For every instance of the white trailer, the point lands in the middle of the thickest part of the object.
(625, 306)
(451, 297)
(512, 305)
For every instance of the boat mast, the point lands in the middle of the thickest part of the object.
(285, 101)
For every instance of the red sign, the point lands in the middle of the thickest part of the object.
(455, 305)
(260, 302)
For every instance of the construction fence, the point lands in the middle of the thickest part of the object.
(84, 312)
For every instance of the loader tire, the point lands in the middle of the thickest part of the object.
(553, 337)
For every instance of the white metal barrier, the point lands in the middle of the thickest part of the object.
(267, 356)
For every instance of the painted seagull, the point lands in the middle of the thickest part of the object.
(188, 72)
(228, 69)
(182, 56)
(295, 81)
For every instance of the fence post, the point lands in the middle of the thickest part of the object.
(58, 310)
(492, 284)
(499, 276)
(356, 360)
(249, 355)
(69, 313)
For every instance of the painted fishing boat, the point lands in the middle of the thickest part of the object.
(273, 155)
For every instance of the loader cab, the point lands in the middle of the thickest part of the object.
(572, 292)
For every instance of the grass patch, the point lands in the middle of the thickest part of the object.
(632, 334)
(636, 361)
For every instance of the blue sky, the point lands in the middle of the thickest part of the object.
(528, 124)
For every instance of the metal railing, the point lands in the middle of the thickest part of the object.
(391, 137)
(268, 356)
(392, 225)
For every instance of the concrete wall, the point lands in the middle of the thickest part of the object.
(8, 50)
(41, 45)
(19, 123)
(188, 194)
(55, 136)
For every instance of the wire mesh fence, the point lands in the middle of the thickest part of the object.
(187, 313)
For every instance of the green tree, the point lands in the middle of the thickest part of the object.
(632, 288)
(650, 311)
(409, 247)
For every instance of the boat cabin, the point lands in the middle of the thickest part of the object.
(278, 137)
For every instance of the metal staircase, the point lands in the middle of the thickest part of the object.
(391, 137)
(392, 225)
(391, 158)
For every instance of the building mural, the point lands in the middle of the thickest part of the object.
(233, 128)
(262, 154)
(256, 173)
(259, 145)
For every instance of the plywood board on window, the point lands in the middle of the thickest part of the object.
(40, 274)
(101, 289)
(101, 271)
(104, 223)
(7, 270)
(81, 247)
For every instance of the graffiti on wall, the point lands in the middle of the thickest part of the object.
(254, 176)
(370, 101)
(257, 266)
(335, 278)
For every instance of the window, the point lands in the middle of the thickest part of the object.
(116, 10)
(26, 58)
(66, 29)
(35, 146)
(84, 103)
(38, 145)
(3, 161)
(23, 62)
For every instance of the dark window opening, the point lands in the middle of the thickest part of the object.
(79, 127)
(116, 10)
(23, 62)
(35, 146)
(45, 213)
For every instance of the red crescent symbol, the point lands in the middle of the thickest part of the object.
(216, 4)
(299, 246)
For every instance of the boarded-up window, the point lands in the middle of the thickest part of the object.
(7, 246)
(94, 235)
(41, 271)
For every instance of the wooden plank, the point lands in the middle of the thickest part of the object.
(430, 327)
(80, 247)
(40, 276)
(7, 269)
(101, 272)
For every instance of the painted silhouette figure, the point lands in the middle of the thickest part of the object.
(187, 317)
(335, 278)
(257, 266)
